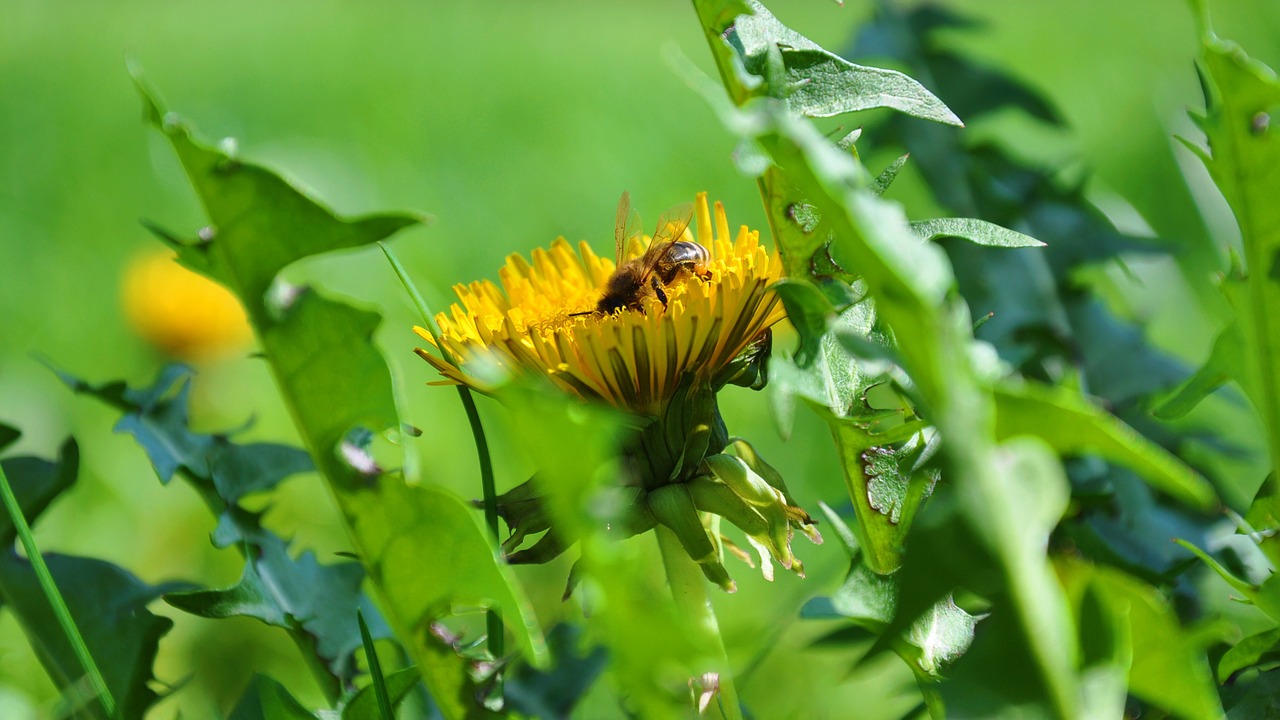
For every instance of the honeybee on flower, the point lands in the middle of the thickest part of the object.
(656, 333)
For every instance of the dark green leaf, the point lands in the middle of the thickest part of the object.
(8, 435)
(266, 699)
(108, 606)
(554, 693)
(290, 593)
(36, 482)
(978, 232)
(157, 417)
(238, 470)
(312, 601)
(1261, 699)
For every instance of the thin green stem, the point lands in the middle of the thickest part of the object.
(496, 633)
(59, 607)
(689, 588)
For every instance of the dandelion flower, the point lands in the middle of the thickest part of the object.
(663, 361)
(632, 359)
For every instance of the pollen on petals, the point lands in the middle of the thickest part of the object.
(540, 318)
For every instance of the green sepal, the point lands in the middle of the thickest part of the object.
(673, 507)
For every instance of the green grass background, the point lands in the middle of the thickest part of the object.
(511, 123)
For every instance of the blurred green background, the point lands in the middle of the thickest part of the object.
(511, 123)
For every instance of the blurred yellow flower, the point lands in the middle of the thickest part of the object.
(542, 319)
(183, 314)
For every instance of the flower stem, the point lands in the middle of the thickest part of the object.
(496, 634)
(689, 588)
(56, 603)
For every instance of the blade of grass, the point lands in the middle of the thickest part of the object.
(497, 639)
(56, 602)
(375, 670)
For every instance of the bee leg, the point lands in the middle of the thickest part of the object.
(657, 289)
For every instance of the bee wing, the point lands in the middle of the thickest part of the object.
(671, 227)
(620, 234)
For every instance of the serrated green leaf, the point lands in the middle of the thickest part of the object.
(295, 594)
(157, 417)
(255, 203)
(935, 638)
(999, 554)
(36, 482)
(337, 385)
(822, 84)
(266, 699)
(978, 232)
(224, 471)
(109, 606)
(1072, 425)
(1242, 98)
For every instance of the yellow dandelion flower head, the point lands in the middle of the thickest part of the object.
(542, 319)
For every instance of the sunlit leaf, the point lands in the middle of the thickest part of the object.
(1072, 425)
(937, 637)
(823, 84)
(978, 232)
(336, 384)
(1170, 669)
(652, 656)
(1242, 98)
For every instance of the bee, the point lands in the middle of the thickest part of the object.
(666, 262)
